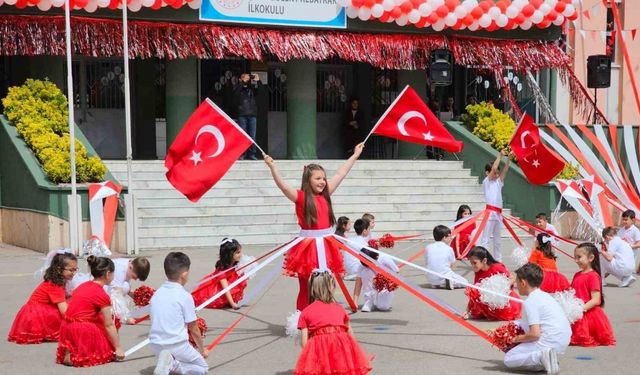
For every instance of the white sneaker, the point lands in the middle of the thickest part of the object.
(367, 307)
(165, 363)
(627, 281)
(550, 361)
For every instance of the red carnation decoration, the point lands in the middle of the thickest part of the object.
(387, 241)
(202, 324)
(380, 283)
(503, 336)
(373, 243)
(142, 295)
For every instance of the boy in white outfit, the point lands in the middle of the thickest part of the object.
(492, 185)
(351, 263)
(439, 258)
(372, 224)
(364, 283)
(630, 233)
(172, 312)
(547, 330)
(617, 259)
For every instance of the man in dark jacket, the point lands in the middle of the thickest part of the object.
(245, 97)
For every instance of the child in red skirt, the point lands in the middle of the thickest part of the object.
(594, 328)
(40, 318)
(88, 335)
(224, 274)
(544, 257)
(319, 247)
(484, 265)
(328, 345)
(461, 241)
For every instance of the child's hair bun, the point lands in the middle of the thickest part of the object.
(92, 260)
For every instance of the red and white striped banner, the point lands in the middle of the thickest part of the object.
(103, 205)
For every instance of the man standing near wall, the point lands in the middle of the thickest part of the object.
(245, 98)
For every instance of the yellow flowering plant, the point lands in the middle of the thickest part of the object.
(489, 124)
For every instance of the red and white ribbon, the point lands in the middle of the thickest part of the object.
(103, 205)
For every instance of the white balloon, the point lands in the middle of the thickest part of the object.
(520, 3)
(377, 11)
(402, 20)
(551, 3)
(537, 17)
(351, 12)
(484, 20)
(494, 12)
(545, 9)
(575, 2)
(149, 3)
(388, 5)
(414, 16)
(460, 11)
(398, 2)
(438, 26)
(502, 20)
(91, 7)
(569, 10)
(450, 19)
(10, 2)
(559, 21)
(425, 9)
(470, 4)
(512, 11)
(343, 3)
(516, 79)
(526, 25)
(486, 84)
(364, 13)
(102, 3)
(44, 5)
(436, 3)
(193, 4)
(519, 87)
(134, 5)
(474, 26)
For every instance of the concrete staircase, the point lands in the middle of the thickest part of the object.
(407, 197)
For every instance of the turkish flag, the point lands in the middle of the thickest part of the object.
(537, 162)
(204, 150)
(409, 119)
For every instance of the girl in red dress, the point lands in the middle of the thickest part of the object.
(594, 328)
(88, 335)
(544, 256)
(328, 345)
(484, 265)
(40, 318)
(318, 249)
(224, 274)
(461, 241)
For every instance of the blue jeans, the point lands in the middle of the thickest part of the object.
(248, 124)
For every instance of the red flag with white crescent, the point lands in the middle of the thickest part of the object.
(204, 150)
(409, 119)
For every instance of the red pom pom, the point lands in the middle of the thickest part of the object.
(202, 324)
(503, 336)
(142, 295)
(381, 283)
(387, 241)
(373, 243)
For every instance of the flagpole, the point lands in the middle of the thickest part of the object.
(73, 209)
(130, 206)
(385, 113)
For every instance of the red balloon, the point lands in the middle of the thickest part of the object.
(560, 7)
(536, 3)
(457, 26)
(422, 23)
(544, 24)
(32, 2)
(177, 4)
(492, 27)
(384, 17)
(503, 5)
(452, 4)
(406, 7)
(510, 25)
(477, 12)
(528, 10)
(520, 18)
(81, 3)
(552, 15)
(356, 3)
(114, 4)
(432, 18)
(21, 4)
(416, 4)
(486, 5)
(468, 20)
(368, 3)
(573, 17)
(396, 12)
(442, 11)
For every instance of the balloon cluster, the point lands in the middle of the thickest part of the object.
(465, 14)
(91, 6)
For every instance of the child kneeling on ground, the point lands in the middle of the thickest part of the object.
(547, 330)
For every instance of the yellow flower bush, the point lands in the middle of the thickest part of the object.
(38, 109)
(569, 172)
(489, 124)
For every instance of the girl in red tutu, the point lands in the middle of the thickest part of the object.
(594, 328)
(461, 241)
(318, 249)
(544, 256)
(88, 335)
(224, 274)
(39, 319)
(484, 266)
(328, 345)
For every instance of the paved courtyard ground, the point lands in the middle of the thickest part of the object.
(413, 338)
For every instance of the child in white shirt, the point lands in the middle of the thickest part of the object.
(172, 312)
(127, 270)
(381, 300)
(492, 185)
(630, 233)
(351, 263)
(372, 224)
(439, 258)
(617, 259)
(547, 330)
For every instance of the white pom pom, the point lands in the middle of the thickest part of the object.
(571, 305)
(520, 257)
(500, 285)
(246, 259)
(291, 329)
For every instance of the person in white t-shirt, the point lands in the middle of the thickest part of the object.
(547, 329)
(543, 223)
(439, 258)
(351, 263)
(630, 233)
(172, 313)
(127, 270)
(617, 258)
(492, 185)
(380, 300)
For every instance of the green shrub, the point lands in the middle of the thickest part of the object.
(38, 109)
(489, 124)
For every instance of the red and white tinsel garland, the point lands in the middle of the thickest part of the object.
(91, 6)
(465, 14)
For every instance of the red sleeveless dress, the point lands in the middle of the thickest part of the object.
(479, 310)
(302, 259)
(82, 333)
(594, 328)
(461, 241)
(39, 319)
(553, 280)
(211, 287)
